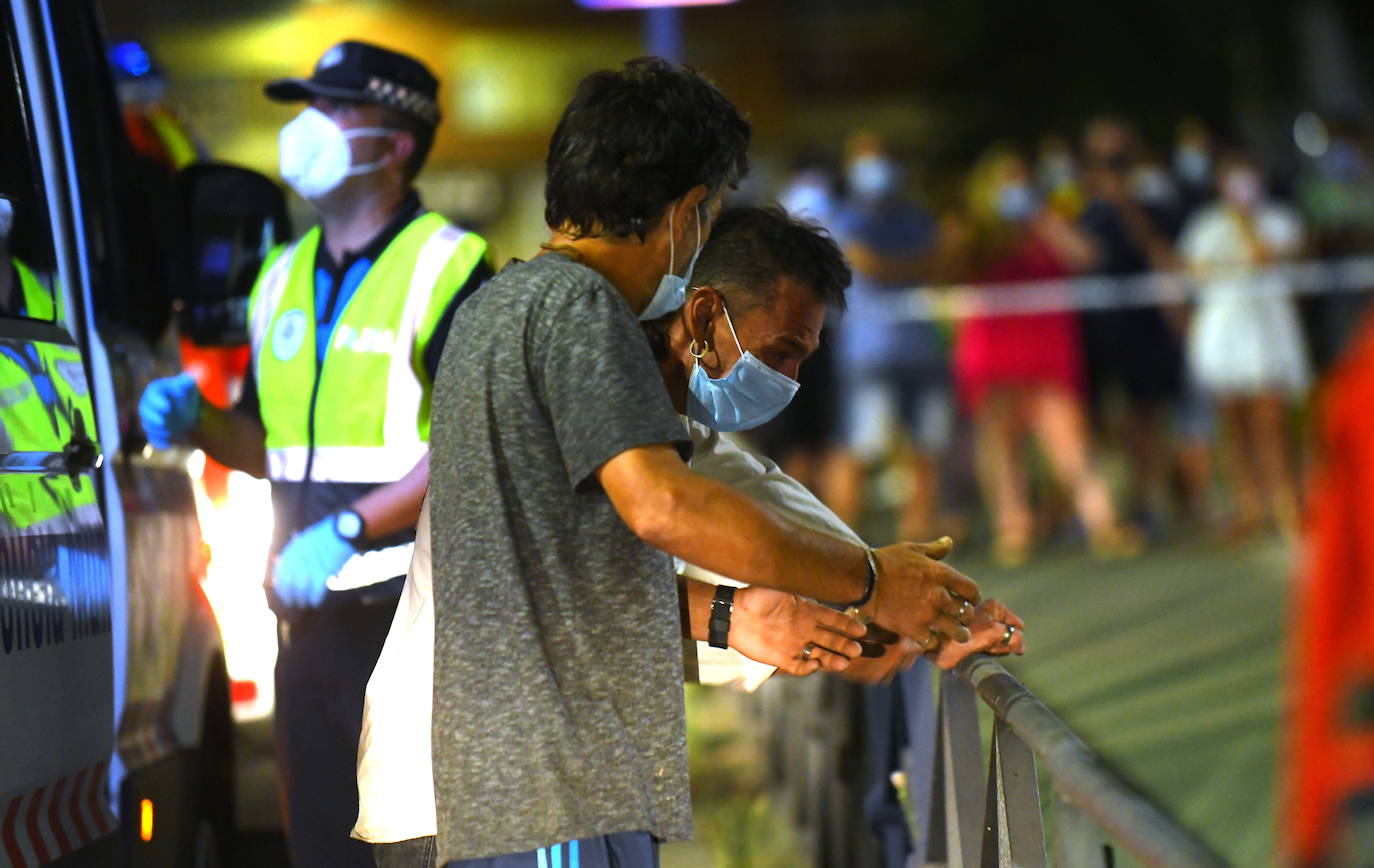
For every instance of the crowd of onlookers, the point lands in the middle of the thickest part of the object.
(1198, 401)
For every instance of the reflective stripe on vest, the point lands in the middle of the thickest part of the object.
(372, 410)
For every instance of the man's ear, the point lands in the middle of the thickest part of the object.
(694, 197)
(402, 146)
(688, 213)
(702, 306)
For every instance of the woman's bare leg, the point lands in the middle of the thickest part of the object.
(1274, 459)
(1002, 475)
(1238, 459)
(1061, 426)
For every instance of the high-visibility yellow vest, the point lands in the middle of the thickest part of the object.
(40, 399)
(372, 405)
(39, 301)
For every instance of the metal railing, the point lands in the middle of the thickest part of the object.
(1001, 823)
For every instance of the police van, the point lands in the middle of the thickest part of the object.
(115, 720)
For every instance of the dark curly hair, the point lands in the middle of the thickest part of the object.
(750, 249)
(634, 139)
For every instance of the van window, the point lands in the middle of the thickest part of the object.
(27, 263)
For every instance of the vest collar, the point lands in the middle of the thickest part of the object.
(409, 209)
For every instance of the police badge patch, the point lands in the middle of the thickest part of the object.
(288, 335)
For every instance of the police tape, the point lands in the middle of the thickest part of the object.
(1106, 293)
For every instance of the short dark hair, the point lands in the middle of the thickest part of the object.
(421, 131)
(634, 139)
(751, 248)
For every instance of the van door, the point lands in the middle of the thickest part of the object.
(56, 666)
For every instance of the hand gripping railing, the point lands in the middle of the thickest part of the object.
(1003, 825)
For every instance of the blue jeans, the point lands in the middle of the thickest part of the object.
(620, 850)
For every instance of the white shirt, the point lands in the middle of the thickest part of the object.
(395, 771)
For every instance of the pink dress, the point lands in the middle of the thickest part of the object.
(1041, 349)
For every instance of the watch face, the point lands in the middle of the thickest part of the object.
(349, 525)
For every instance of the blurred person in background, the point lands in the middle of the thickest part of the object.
(1057, 176)
(1137, 350)
(811, 191)
(347, 325)
(1022, 374)
(1245, 343)
(1194, 164)
(1154, 188)
(1335, 189)
(802, 438)
(892, 373)
(154, 128)
(164, 145)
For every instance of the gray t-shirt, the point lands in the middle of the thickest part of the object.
(558, 708)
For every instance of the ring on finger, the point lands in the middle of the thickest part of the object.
(807, 650)
(1007, 637)
(965, 611)
(929, 642)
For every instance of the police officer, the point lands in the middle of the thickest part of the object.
(347, 325)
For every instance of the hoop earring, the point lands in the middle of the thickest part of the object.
(698, 353)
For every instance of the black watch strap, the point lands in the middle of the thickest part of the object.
(722, 606)
(350, 527)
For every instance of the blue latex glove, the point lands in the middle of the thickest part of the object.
(308, 562)
(169, 409)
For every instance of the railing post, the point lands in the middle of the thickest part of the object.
(1078, 842)
(1013, 830)
(955, 812)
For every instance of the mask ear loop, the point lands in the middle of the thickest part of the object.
(672, 209)
(738, 345)
(362, 133)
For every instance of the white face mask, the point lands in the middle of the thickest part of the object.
(315, 157)
(672, 288)
(872, 177)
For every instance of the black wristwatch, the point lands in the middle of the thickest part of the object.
(349, 525)
(722, 606)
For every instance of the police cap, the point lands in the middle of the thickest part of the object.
(367, 73)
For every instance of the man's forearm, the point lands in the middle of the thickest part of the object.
(395, 506)
(709, 524)
(233, 439)
(773, 551)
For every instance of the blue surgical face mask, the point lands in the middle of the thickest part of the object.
(748, 396)
(872, 177)
(1193, 164)
(672, 289)
(1016, 202)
